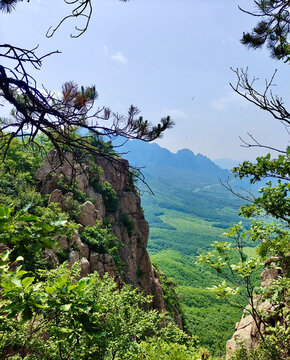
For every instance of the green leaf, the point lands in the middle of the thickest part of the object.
(27, 281)
(50, 289)
(65, 307)
(28, 206)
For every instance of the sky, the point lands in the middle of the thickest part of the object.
(167, 57)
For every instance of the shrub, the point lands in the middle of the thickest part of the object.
(109, 196)
(86, 319)
(106, 189)
(129, 223)
(62, 254)
(102, 241)
(66, 187)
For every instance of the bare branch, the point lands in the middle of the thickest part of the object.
(83, 9)
(60, 117)
(249, 197)
(255, 143)
(265, 100)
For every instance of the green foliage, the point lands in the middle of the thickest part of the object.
(61, 317)
(95, 172)
(28, 235)
(169, 289)
(109, 194)
(110, 197)
(63, 254)
(66, 187)
(229, 260)
(103, 147)
(273, 199)
(199, 307)
(273, 242)
(273, 29)
(264, 167)
(158, 349)
(129, 223)
(17, 184)
(102, 241)
(72, 207)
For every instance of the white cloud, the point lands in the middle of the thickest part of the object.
(119, 57)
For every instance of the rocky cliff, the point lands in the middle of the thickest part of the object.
(247, 329)
(137, 269)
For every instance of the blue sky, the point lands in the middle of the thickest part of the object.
(168, 57)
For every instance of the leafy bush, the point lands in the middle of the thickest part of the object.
(72, 208)
(28, 235)
(109, 196)
(62, 254)
(84, 319)
(102, 241)
(66, 187)
(158, 349)
(106, 189)
(95, 172)
(129, 223)
(17, 183)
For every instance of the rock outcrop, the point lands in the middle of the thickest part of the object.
(137, 269)
(247, 330)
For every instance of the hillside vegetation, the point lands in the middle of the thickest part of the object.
(50, 310)
(190, 210)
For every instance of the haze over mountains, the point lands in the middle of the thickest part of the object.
(184, 182)
(225, 163)
(190, 209)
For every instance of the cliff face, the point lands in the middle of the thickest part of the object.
(137, 269)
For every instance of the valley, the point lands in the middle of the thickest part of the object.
(189, 210)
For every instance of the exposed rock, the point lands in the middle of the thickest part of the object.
(53, 167)
(63, 242)
(97, 201)
(116, 171)
(129, 203)
(85, 267)
(74, 256)
(177, 318)
(104, 263)
(3, 248)
(137, 269)
(57, 197)
(246, 331)
(88, 214)
(156, 289)
(268, 275)
(50, 255)
(82, 248)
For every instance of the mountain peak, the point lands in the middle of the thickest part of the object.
(185, 152)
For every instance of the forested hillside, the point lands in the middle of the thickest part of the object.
(74, 266)
(189, 210)
(76, 278)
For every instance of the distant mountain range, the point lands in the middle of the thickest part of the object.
(155, 161)
(190, 209)
(184, 182)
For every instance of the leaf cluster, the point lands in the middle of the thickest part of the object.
(272, 29)
(101, 240)
(64, 317)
